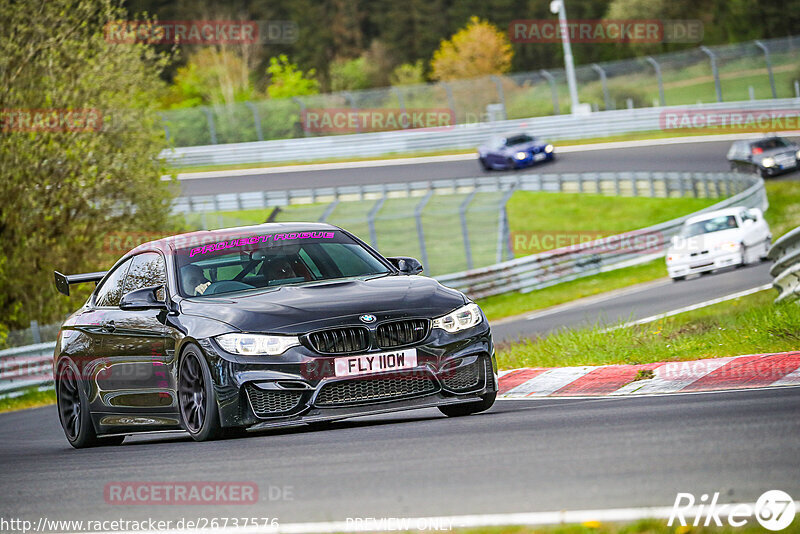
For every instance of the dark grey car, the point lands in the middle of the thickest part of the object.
(768, 156)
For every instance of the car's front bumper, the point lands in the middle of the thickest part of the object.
(704, 263)
(301, 386)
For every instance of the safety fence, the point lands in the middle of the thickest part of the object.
(569, 263)
(744, 71)
(451, 225)
(779, 114)
(785, 253)
(31, 366)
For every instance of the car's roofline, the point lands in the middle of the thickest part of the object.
(168, 244)
(718, 213)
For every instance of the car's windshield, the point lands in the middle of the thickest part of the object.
(768, 144)
(707, 226)
(272, 259)
(518, 140)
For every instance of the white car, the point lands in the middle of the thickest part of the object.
(724, 238)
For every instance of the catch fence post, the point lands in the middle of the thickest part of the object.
(462, 213)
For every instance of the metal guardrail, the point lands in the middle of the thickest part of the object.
(785, 252)
(569, 263)
(25, 367)
(557, 127)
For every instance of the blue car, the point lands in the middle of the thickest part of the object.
(514, 152)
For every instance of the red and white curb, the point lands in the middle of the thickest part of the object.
(712, 374)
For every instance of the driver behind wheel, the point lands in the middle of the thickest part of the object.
(194, 281)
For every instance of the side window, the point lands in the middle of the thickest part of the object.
(109, 293)
(146, 270)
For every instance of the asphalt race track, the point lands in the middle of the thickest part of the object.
(691, 156)
(521, 456)
(636, 303)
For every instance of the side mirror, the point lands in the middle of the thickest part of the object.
(755, 212)
(142, 299)
(407, 266)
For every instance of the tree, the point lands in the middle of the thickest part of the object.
(69, 185)
(409, 74)
(211, 77)
(286, 80)
(479, 49)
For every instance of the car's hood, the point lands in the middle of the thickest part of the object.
(698, 243)
(303, 308)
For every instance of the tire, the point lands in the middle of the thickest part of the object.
(73, 409)
(460, 410)
(678, 278)
(764, 173)
(196, 397)
(484, 164)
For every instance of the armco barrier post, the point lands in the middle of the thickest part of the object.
(553, 90)
(373, 212)
(462, 213)
(256, 120)
(763, 47)
(212, 131)
(657, 68)
(420, 233)
(602, 73)
(713, 57)
(500, 95)
(503, 234)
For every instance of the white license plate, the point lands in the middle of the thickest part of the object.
(375, 363)
(539, 157)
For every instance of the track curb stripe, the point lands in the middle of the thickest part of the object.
(711, 374)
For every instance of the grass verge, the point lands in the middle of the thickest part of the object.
(747, 325)
(783, 215)
(31, 398)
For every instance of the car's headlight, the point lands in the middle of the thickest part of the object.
(256, 344)
(520, 155)
(729, 246)
(460, 319)
(548, 148)
(798, 154)
(768, 162)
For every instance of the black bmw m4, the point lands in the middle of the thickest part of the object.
(250, 328)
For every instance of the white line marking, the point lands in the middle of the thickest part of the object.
(460, 157)
(691, 307)
(611, 515)
(549, 382)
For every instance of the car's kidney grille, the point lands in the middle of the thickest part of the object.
(272, 402)
(464, 377)
(374, 389)
(399, 333)
(338, 340)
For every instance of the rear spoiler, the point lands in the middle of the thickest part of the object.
(63, 281)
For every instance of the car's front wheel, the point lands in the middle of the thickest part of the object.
(485, 164)
(198, 402)
(73, 409)
(469, 408)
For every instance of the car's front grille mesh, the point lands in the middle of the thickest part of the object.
(464, 377)
(338, 340)
(272, 402)
(399, 333)
(374, 389)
